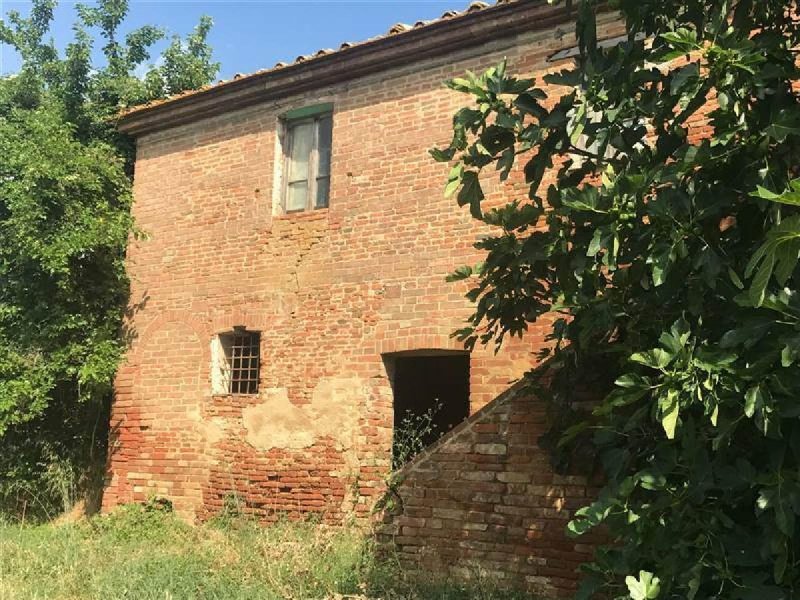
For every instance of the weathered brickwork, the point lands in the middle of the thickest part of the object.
(332, 292)
(484, 503)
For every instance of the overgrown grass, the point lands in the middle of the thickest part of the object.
(146, 554)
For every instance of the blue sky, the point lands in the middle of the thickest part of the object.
(254, 34)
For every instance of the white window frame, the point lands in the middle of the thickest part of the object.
(313, 161)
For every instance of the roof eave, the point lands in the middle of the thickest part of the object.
(435, 39)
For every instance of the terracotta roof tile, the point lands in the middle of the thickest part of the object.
(396, 29)
(475, 6)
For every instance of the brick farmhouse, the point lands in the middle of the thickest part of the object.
(289, 308)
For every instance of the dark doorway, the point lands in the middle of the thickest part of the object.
(431, 396)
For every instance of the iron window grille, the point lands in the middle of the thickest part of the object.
(239, 363)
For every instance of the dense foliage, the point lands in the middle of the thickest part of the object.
(64, 224)
(667, 258)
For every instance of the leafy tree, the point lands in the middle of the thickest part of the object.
(666, 258)
(65, 196)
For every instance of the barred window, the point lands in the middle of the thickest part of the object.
(236, 357)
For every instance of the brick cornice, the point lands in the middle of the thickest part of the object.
(436, 39)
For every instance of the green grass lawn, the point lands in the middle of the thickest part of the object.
(151, 555)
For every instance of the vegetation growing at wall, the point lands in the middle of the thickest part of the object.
(144, 552)
(411, 435)
(668, 256)
(64, 224)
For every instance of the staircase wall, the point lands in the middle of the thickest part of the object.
(484, 502)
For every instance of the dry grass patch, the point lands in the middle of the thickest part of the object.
(143, 554)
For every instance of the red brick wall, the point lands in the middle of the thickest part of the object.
(331, 291)
(483, 502)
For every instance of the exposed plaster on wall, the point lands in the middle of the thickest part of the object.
(277, 423)
(332, 413)
(211, 430)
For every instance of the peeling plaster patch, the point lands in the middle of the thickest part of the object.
(213, 430)
(277, 423)
(210, 430)
(333, 413)
(336, 403)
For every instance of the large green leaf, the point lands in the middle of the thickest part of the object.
(779, 254)
(645, 587)
(657, 358)
(784, 124)
(670, 410)
(471, 193)
(790, 196)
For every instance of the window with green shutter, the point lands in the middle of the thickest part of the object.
(307, 159)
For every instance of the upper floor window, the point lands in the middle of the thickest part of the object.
(307, 165)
